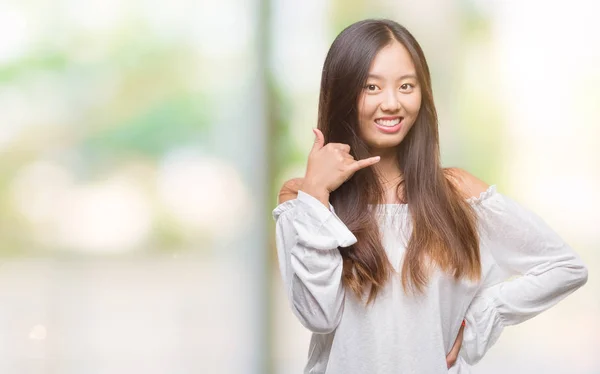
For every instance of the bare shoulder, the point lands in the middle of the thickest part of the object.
(289, 190)
(467, 183)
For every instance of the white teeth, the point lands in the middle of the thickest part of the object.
(388, 123)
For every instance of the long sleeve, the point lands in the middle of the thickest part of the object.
(521, 244)
(307, 237)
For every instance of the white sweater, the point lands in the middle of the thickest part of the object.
(403, 334)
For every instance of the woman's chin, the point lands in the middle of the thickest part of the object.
(386, 141)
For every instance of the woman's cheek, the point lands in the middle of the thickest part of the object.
(417, 101)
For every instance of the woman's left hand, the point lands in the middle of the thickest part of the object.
(453, 355)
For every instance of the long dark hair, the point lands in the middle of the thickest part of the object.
(443, 223)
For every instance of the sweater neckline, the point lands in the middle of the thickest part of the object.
(393, 208)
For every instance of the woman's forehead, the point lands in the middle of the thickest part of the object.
(392, 61)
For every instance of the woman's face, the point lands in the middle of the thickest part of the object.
(390, 100)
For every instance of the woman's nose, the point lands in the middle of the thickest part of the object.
(391, 102)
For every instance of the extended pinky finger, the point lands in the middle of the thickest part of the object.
(360, 164)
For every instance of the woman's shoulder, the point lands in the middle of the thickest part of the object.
(289, 190)
(469, 185)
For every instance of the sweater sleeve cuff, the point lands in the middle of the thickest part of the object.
(319, 227)
(484, 325)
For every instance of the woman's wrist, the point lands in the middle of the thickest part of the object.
(315, 190)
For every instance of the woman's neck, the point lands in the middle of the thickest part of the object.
(387, 168)
(390, 176)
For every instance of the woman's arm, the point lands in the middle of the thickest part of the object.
(308, 236)
(521, 244)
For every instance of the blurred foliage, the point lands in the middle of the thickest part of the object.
(344, 13)
(51, 60)
(128, 98)
(479, 113)
(153, 130)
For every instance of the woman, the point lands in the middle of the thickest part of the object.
(412, 250)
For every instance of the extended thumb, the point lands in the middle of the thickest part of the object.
(319, 139)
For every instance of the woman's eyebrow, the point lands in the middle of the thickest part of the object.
(405, 76)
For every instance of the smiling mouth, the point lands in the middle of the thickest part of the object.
(388, 122)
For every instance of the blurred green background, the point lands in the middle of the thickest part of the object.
(143, 144)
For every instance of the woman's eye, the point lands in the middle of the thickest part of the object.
(406, 86)
(371, 87)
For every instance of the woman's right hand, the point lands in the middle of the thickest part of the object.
(453, 355)
(329, 166)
